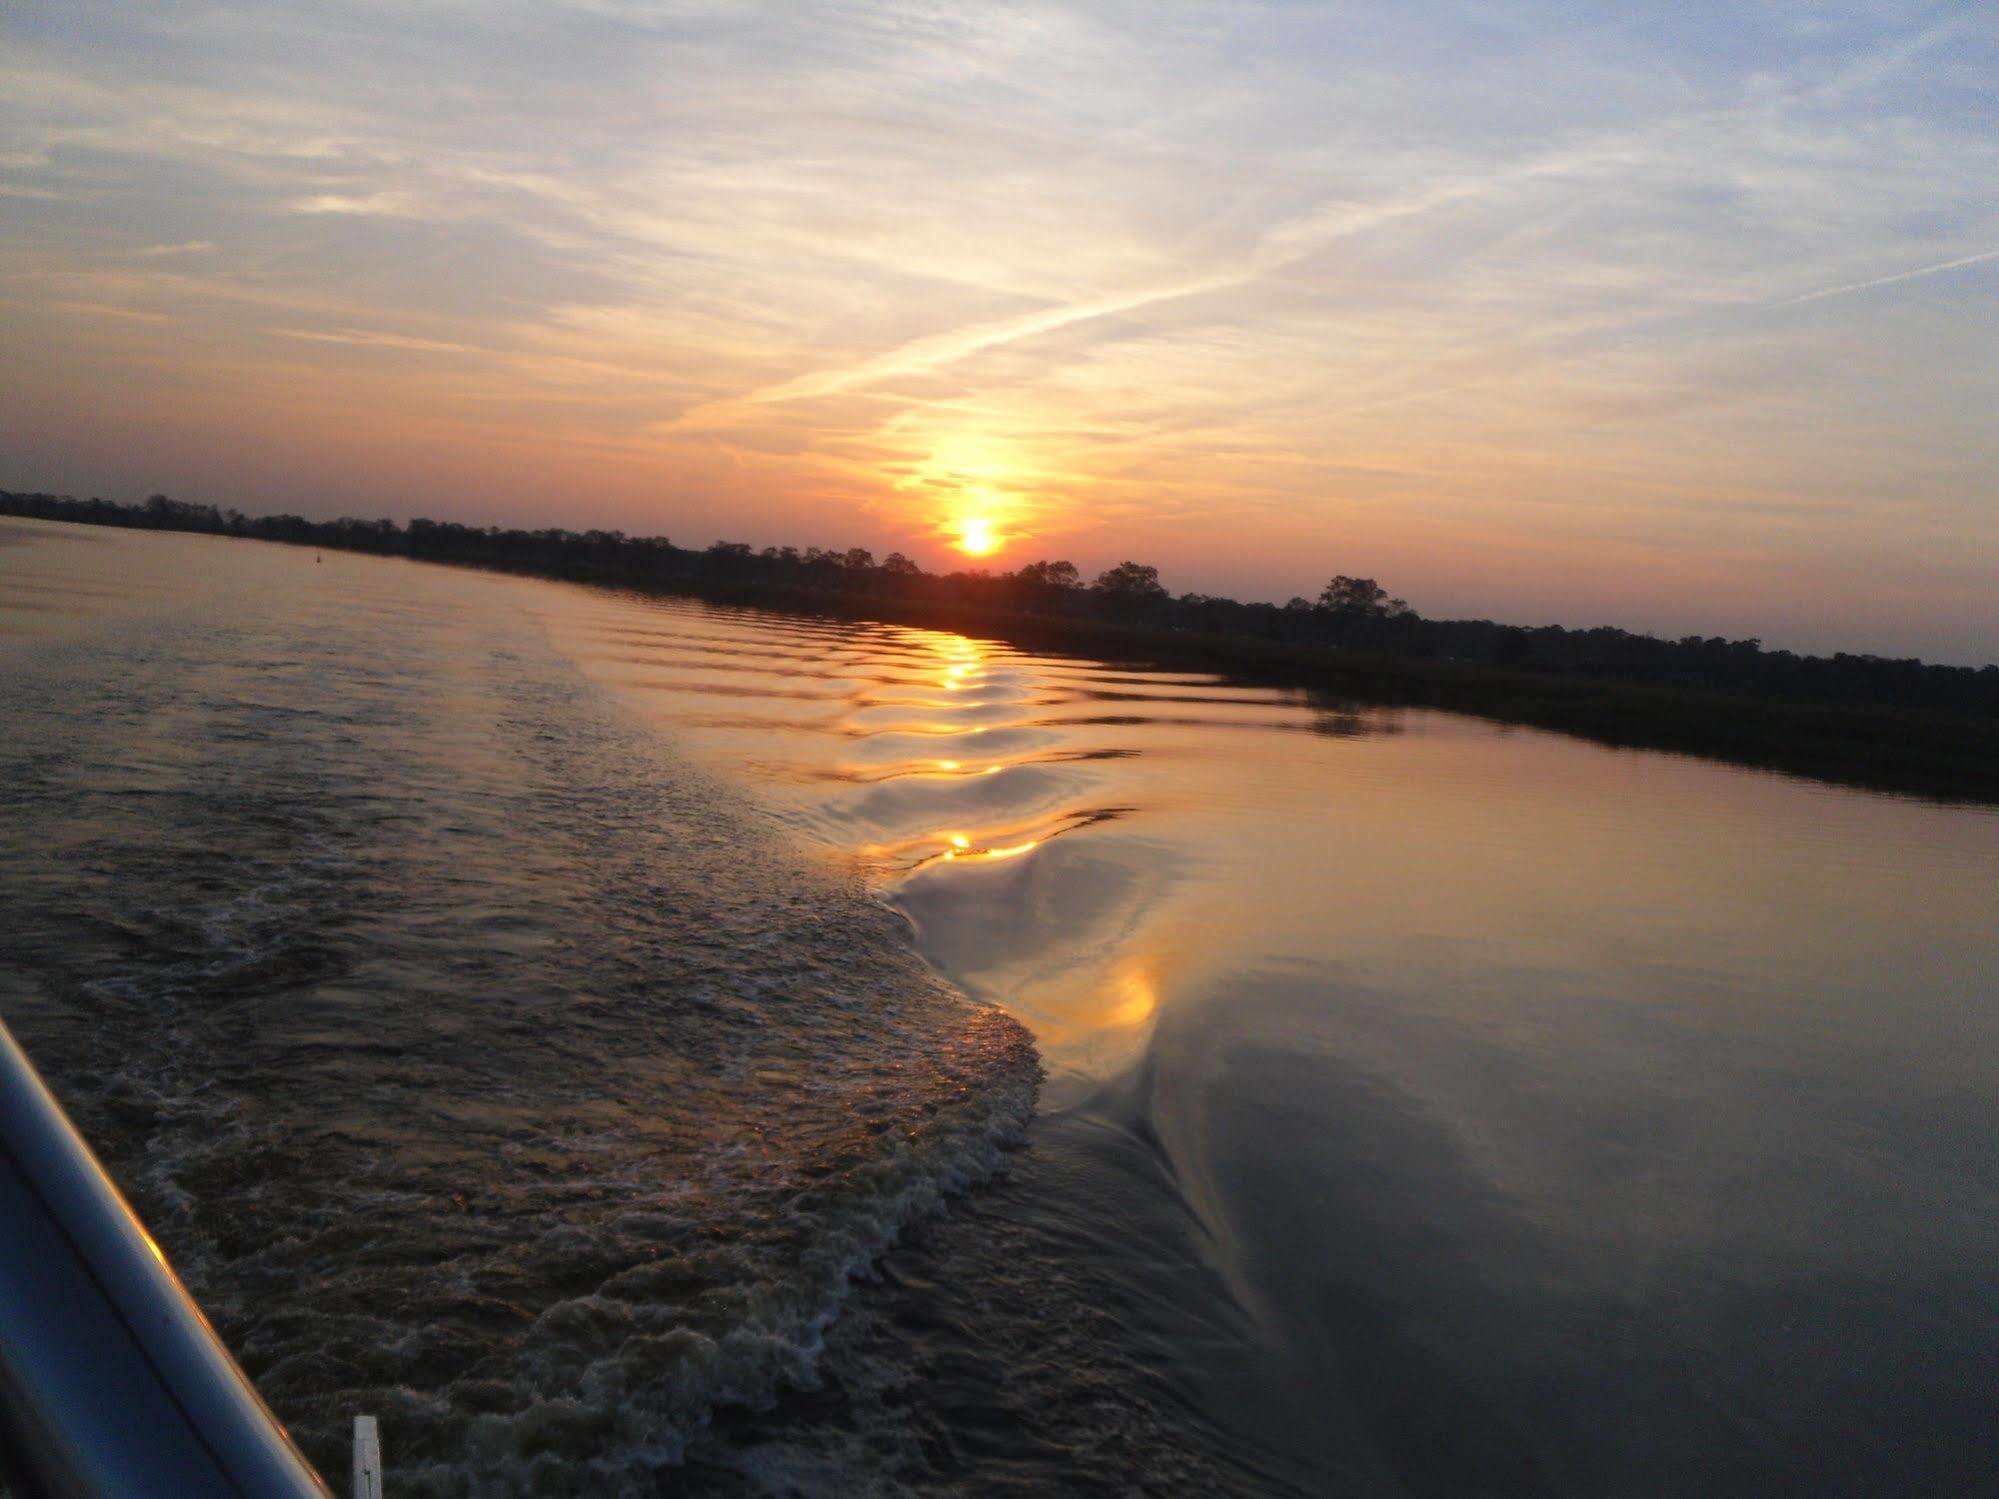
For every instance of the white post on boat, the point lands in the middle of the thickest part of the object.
(367, 1459)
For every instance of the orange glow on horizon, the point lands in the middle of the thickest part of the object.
(977, 488)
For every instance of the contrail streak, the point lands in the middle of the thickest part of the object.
(1921, 270)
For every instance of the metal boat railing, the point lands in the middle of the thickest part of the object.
(112, 1382)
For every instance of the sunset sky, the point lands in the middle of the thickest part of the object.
(1679, 316)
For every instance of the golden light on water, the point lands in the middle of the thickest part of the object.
(1138, 998)
(962, 847)
(959, 765)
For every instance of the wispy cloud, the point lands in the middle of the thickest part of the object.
(374, 338)
(384, 204)
(1287, 244)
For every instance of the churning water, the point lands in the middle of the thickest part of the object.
(637, 1046)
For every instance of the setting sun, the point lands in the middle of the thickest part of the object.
(977, 537)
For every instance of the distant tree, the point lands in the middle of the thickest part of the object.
(727, 559)
(1131, 590)
(858, 559)
(1045, 587)
(1346, 595)
(1360, 598)
(898, 566)
(166, 514)
(1130, 582)
(1051, 575)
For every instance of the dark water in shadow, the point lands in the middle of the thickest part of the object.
(520, 1010)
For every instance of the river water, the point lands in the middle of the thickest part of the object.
(638, 1046)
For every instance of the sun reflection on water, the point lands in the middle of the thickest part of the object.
(1138, 999)
(963, 848)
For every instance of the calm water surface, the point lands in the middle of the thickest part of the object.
(636, 1046)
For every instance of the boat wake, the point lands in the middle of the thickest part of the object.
(480, 1062)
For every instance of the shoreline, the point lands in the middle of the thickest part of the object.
(1934, 754)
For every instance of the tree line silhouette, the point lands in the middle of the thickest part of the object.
(1352, 613)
